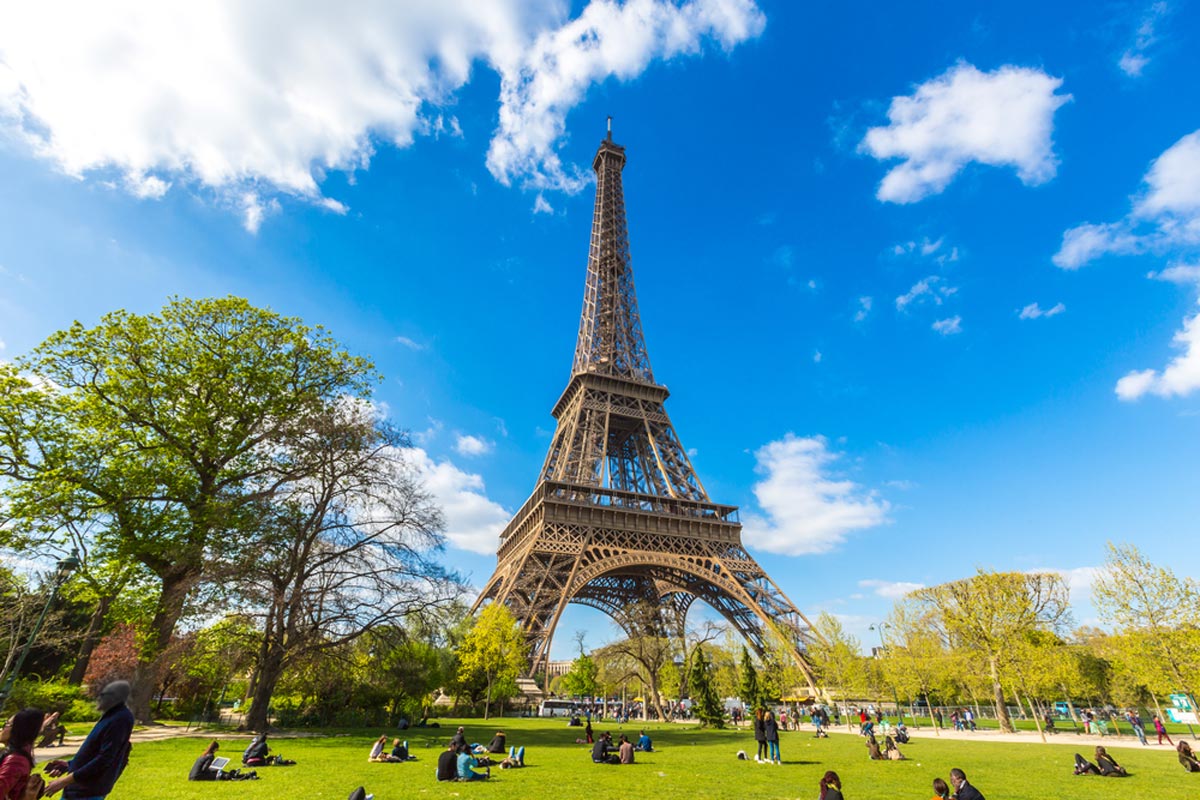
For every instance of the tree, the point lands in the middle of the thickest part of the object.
(748, 681)
(646, 649)
(496, 651)
(580, 680)
(707, 706)
(178, 426)
(990, 612)
(916, 660)
(1156, 611)
(346, 549)
(837, 658)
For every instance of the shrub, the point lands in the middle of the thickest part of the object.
(72, 701)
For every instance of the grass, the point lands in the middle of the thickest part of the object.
(689, 764)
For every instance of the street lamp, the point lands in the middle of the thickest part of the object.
(62, 571)
(883, 647)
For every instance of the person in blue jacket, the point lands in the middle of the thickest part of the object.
(102, 757)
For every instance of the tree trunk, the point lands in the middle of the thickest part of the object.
(269, 672)
(90, 640)
(998, 698)
(487, 701)
(175, 589)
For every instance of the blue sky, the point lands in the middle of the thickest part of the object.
(922, 278)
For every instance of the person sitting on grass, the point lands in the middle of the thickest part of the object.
(447, 766)
(625, 750)
(1186, 757)
(831, 786)
(400, 750)
(256, 754)
(379, 752)
(1084, 767)
(497, 745)
(202, 768)
(940, 790)
(873, 749)
(52, 729)
(467, 764)
(892, 751)
(643, 743)
(602, 750)
(962, 789)
(1108, 765)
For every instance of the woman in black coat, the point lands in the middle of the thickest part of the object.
(760, 736)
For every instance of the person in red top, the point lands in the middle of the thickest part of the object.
(19, 734)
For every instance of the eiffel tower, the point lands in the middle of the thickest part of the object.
(619, 516)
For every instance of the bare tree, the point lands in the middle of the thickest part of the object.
(647, 646)
(344, 551)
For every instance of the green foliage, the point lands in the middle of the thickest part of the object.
(707, 708)
(748, 684)
(495, 651)
(580, 680)
(72, 701)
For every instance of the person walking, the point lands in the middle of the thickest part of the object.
(1139, 727)
(1161, 730)
(102, 757)
(771, 734)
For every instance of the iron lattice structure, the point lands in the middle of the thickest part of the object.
(619, 515)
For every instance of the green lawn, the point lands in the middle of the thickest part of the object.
(690, 764)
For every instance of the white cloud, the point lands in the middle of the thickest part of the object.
(864, 308)
(1035, 311)
(816, 356)
(948, 326)
(540, 84)
(1165, 215)
(467, 445)
(927, 248)
(1180, 377)
(1134, 60)
(892, 590)
(1185, 274)
(3, 346)
(806, 509)
(426, 436)
(542, 206)
(255, 100)
(929, 288)
(411, 344)
(999, 118)
(473, 521)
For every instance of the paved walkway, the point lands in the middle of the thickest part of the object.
(1080, 739)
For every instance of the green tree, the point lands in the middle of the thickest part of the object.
(580, 680)
(837, 659)
(495, 651)
(990, 613)
(707, 706)
(1155, 609)
(748, 681)
(178, 425)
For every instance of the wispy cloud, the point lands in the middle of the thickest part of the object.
(892, 590)
(542, 206)
(932, 250)
(1135, 59)
(1035, 311)
(806, 508)
(1002, 118)
(864, 308)
(411, 344)
(473, 520)
(931, 288)
(948, 326)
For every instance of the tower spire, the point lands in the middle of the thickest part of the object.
(610, 330)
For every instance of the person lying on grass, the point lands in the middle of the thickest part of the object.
(1186, 757)
(1108, 765)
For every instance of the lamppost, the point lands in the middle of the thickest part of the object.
(883, 647)
(62, 571)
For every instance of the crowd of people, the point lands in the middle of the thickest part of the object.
(100, 760)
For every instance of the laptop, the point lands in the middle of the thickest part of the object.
(218, 764)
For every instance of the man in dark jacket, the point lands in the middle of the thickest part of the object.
(962, 789)
(91, 774)
(447, 766)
